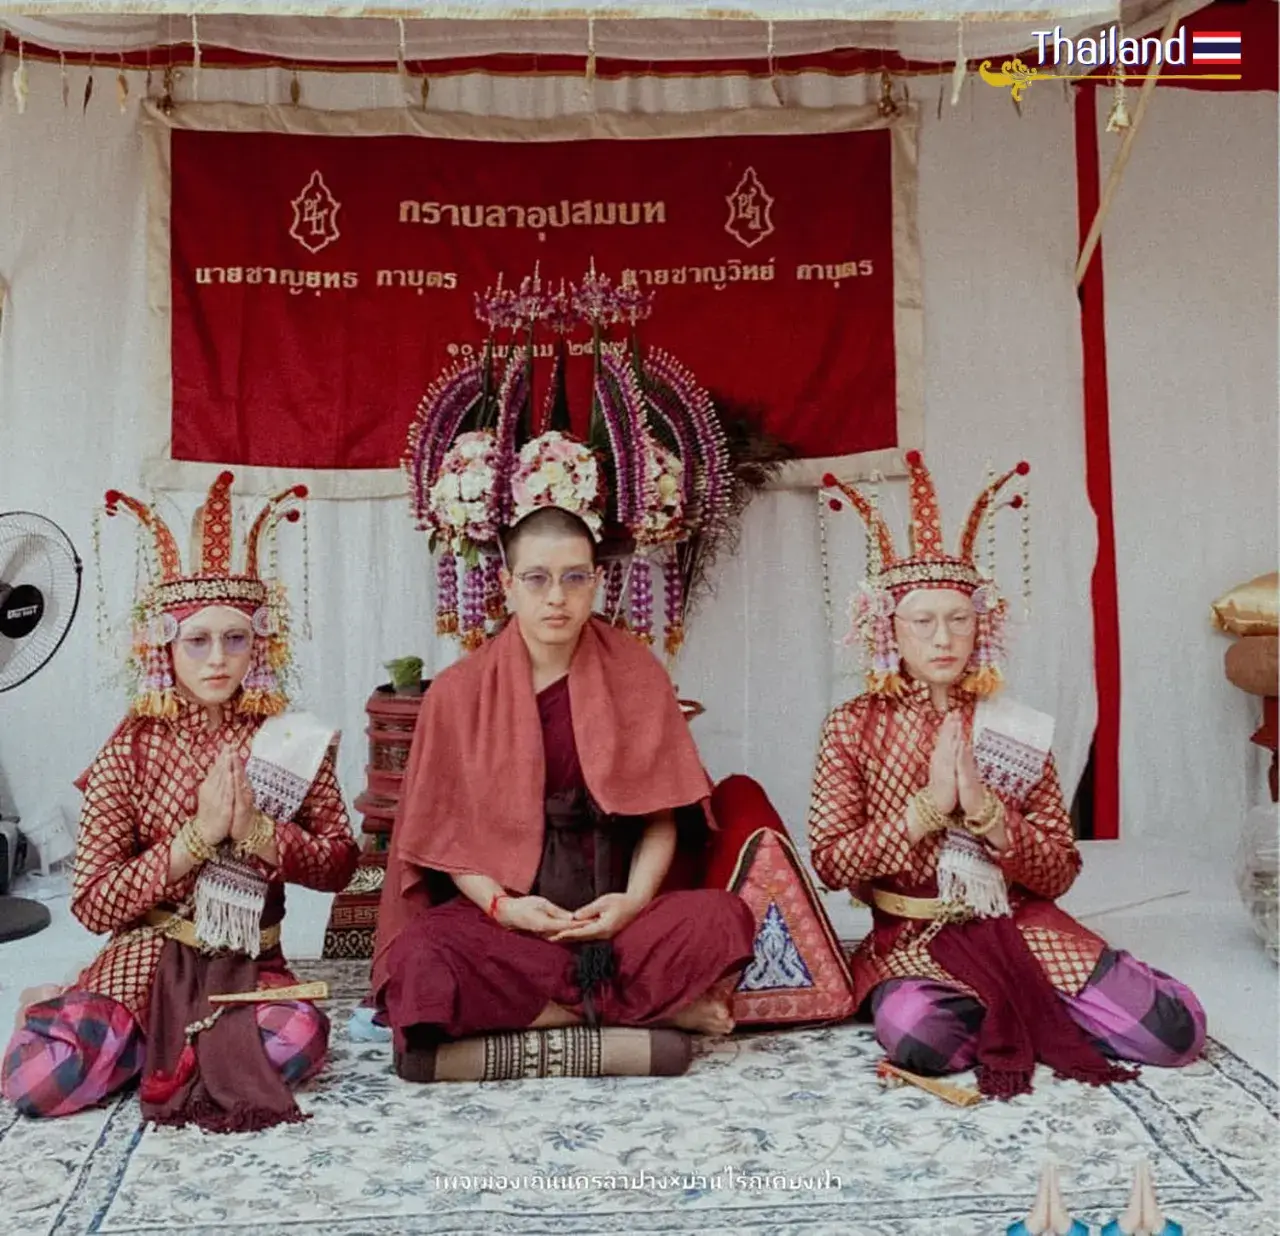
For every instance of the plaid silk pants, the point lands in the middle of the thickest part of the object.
(1129, 1010)
(76, 1049)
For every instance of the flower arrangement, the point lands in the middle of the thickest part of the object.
(554, 470)
(662, 519)
(460, 501)
(654, 476)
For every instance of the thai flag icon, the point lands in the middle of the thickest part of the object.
(1215, 47)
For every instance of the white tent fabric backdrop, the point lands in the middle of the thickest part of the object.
(637, 29)
(1195, 496)
(1191, 255)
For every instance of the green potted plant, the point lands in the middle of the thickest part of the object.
(406, 675)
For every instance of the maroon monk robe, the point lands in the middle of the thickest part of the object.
(453, 972)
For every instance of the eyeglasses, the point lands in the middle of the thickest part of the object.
(540, 582)
(199, 645)
(924, 627)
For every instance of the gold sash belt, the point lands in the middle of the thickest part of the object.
(925, 908)
(184, 930)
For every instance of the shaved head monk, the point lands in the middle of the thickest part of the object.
(552, 787)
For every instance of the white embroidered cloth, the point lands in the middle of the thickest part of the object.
(1010, 744)
(286, 756)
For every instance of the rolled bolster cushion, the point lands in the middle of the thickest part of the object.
(570, 1051)
(1253, 664)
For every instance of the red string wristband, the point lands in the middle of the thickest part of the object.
(493, 905)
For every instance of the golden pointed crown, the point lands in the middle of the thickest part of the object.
(211, 581)
(928, 564)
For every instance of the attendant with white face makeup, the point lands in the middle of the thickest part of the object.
(936, 801)
(208, 799)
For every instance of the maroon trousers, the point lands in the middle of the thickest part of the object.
(454, 972)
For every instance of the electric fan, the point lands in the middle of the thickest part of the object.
(39, 594)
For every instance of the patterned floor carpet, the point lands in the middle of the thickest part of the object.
(775, 1134)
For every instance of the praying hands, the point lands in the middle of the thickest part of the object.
(956, 782)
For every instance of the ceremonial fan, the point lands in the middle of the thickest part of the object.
(40, 575)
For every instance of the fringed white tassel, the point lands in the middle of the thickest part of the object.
(968, 878)
(589, 81)
(195, 58)
(230, 897)
(773, 75)
(961, 67)
(20, 88)
(402, 67)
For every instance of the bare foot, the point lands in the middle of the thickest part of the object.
(710, 1015)
(553, 1017)
(33, 995)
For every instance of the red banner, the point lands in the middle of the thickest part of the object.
(320, 283)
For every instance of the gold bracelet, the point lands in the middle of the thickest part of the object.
(196, 845)
(264, 830)
(929, 812)
(986, 820)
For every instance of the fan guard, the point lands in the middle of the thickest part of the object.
(40, 577)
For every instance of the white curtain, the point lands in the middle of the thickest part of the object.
(1190, 263)
(649, 30)
(1002, 382)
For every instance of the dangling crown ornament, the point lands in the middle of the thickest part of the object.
(653, 470)
(168, 597)
(890, 578)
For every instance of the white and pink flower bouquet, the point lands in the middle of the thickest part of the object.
(460, 503)
(556, 470)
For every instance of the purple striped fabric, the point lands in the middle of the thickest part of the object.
(77, 1049)
(1130, 1010)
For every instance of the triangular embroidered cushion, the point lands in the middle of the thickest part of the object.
(799, 973)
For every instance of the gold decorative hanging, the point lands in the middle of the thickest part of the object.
(1118, 117)
(166, 99)
(887, 106)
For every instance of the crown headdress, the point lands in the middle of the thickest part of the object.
(890, 577)
(653, 469)
(167, 595)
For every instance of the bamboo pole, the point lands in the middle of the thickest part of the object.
(961, 1096)
(318, 990)
(1122, 159)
